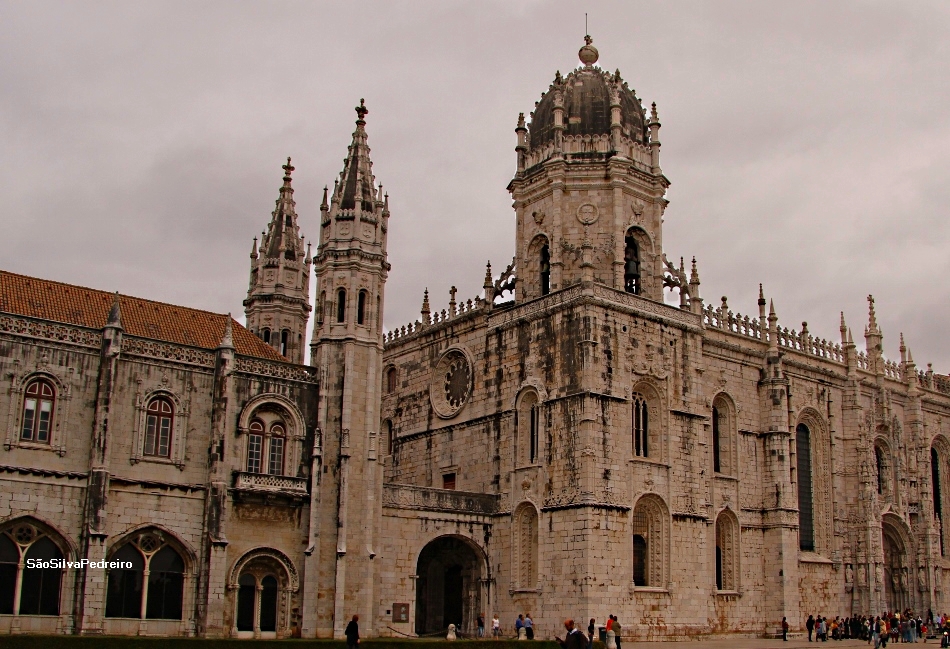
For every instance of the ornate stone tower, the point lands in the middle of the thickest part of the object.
(278, 296)
(347, 349)
(588, 191)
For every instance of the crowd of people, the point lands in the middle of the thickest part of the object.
(525, 622)
(878, 630)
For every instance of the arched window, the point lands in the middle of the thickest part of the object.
(361, 307)
(247, 593)
(37, 417)
(526, 546)
(545, 269)
(631, 265)
(940, 486)
(159, 416)
(390, 380)
(151, 586)
(35, 590)
(267, 443)
(259, 607)
(651, 537)
(723, 435)
(528, 433)
(275, 462)
(284, 340)
(341, 305)
(269, 603)
(265, 335)
(255, 446)
(641, 425)
(727, 552)
(806, 520)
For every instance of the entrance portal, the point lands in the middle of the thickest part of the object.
(447, 587)
(895, 569)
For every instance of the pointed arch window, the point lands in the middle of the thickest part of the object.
(631, 267)
(723, 435)
(545, 269)
(806, 516)
(528, 429)
(651, 534)
(159, 417)
(391, 380)
(25, 587)
(727, 552)
(151, 586)
(361, 307)
(38, 401)
(717, 464)
(341, 305)
(526, 547)
(940, 486)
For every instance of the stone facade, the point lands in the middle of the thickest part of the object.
(566, 444)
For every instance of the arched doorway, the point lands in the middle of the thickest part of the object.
(447, 587)
(896, 577)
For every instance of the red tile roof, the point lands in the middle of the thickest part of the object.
(76, 305)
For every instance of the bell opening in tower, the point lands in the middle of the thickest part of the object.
(631, 269)
(545, 270)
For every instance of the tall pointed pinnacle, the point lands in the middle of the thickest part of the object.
(227, 340)
(357, 179)
(872, 317)
(278, 240)
(426, 311)
(843, 328)
(115, 313)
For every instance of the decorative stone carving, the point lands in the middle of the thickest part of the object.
(587, 213)
(451, 383)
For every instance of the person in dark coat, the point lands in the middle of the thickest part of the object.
(353, 633)
(574, 638)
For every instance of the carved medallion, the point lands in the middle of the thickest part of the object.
(587, 213)
(451, 383)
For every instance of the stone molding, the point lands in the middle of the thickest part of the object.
(287, 371)
(399, 496)
(21, 326)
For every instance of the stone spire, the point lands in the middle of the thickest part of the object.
(356, 179)
(278, 295)
(227, 340)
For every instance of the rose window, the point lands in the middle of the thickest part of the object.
(451, 383)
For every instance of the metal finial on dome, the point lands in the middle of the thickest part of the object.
(588, 54)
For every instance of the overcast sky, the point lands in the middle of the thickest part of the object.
(808, 143)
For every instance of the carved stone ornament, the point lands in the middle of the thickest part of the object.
(451, 383)
(587, 213)
(538, 217)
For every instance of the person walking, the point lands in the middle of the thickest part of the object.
(785, 629)
(353, 633)
(616, 630)
(528, 626)
(574, 638)
(496, 627)
(480, 625)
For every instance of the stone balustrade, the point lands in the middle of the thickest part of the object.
(400, 496)
(263, 482)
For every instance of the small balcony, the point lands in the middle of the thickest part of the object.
(270, 484)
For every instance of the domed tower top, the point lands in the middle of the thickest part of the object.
(585, 97)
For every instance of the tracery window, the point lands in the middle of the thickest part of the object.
(641, 425)
(526, 546)
(159, 417)
(631, 267)
(265, 335)
(806, 520)
(257, 603)
(727, 552)
(341, 305)
(650, 527)
(255, 446)
(39, 398)
(723, 435)
(31, 574)
(151, 586)
(940, 486)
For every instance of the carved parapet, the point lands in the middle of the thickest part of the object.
(399, 496)
(167, 351)
(262, 482)
(29, 328)
(289, 371)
